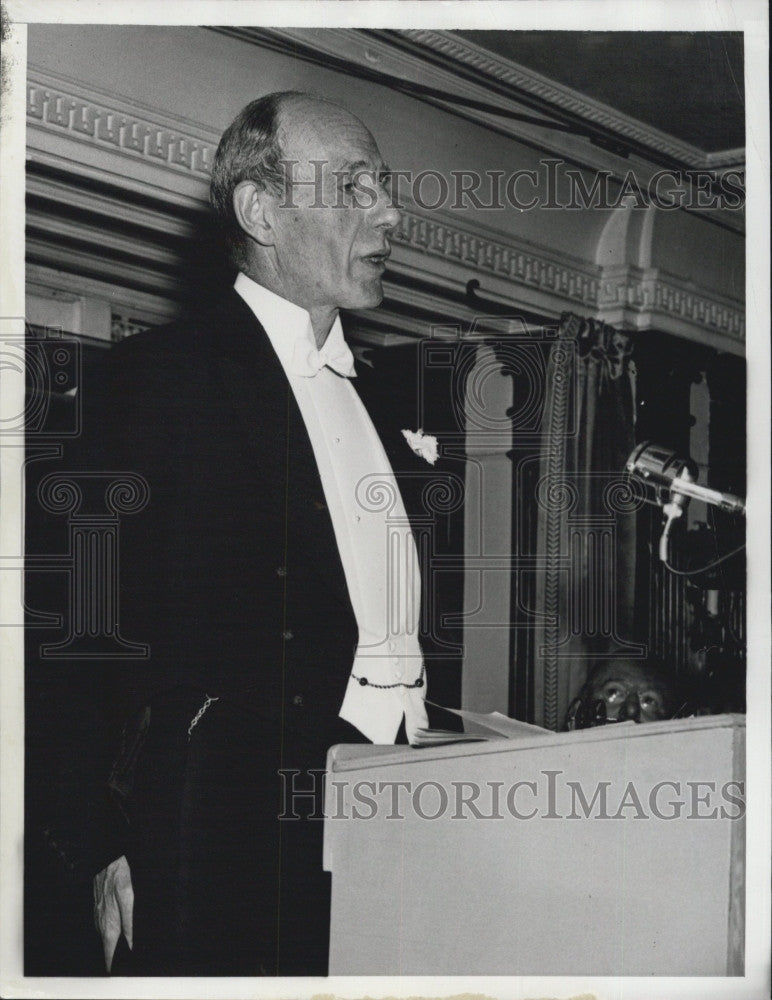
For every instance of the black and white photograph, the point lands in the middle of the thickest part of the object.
(384, 522)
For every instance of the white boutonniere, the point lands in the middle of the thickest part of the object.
(424, 445)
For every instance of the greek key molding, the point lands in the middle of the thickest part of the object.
(655, 291)
(60, 106)
(673, 299)
(460, 50)
(64, 106)
(108, 122)
(522, 264)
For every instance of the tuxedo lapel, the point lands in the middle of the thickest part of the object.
(275, 437)
(251, 377)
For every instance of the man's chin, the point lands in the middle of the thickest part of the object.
(367, 298)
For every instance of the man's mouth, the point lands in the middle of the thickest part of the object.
(377, 259)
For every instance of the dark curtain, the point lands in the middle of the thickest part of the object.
(585, 531)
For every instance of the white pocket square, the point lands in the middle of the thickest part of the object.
(424, 445)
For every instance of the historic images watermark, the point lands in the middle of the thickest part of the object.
(48, 364)
(91, 504)
(461, 364)
(548, 794)
(554, 185)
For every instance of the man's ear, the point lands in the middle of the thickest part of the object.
(253, 207)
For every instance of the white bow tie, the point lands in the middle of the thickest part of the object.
(308, 361)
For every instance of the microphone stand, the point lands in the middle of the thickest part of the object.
(672, 511)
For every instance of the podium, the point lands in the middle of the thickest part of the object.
(616, 851)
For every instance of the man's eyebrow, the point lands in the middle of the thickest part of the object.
(358, 165)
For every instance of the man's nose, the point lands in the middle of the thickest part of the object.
(630, 709)
(386, 214)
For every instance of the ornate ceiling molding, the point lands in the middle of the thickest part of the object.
(106, 120)
(652, 298)
(726, 159)
(443, 60)
(126, 131)
(459, 51)
(517, 262)
(125, 146)
(452, 65)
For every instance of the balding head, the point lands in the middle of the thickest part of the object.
(267, 134)
(302, 190)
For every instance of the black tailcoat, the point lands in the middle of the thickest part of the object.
(232, 576)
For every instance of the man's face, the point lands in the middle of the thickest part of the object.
(630, 691)
(334, 222)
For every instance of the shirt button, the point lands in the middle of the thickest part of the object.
(392, 646)
(281, 570)
(395, 660)
(397, 673)
(357, 517)
(297, 699)
(286, 634)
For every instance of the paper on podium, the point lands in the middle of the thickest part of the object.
(478, 727)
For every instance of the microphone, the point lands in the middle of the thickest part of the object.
(674, 479)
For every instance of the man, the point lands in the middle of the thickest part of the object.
(626, 690)
(258, 573)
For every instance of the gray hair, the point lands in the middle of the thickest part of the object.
(249, 150)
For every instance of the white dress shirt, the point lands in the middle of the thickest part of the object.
(371, 527)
